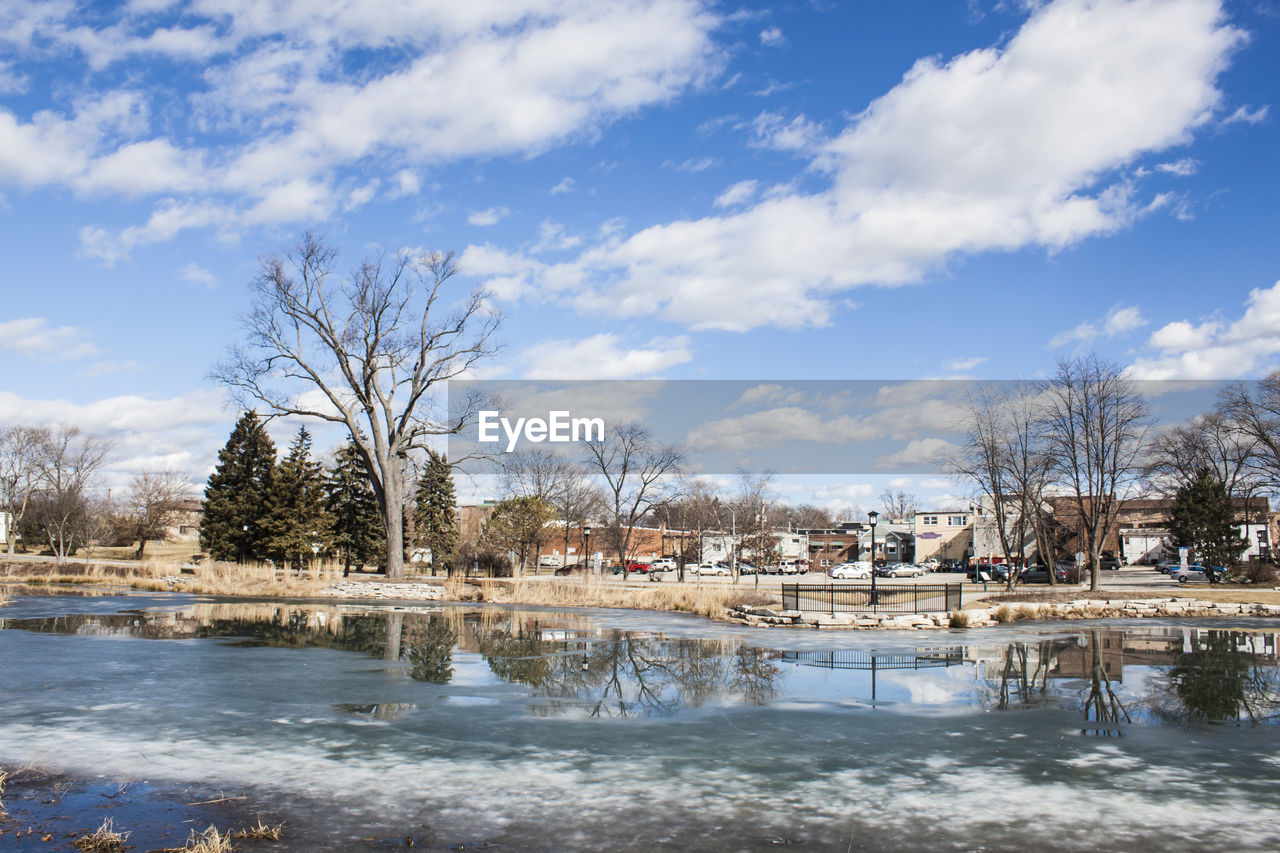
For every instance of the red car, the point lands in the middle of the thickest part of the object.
(634, 566)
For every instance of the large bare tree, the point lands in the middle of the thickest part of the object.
(1096, 424)
(69, 463)
(1253, 412)
(21, 448)
(153, 504)
(634, 469)
(371, 351)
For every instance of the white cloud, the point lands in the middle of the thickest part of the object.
(489, 216)
(1214, 349)
(772, 37)
(280, 117)
(1246, 115)
(565, 186)
(697, 164)
(922, 451)
(33, 336)
(603, 356)
(1119, 320)
(737, 194)
(197, 274)
(772, 130)
(961, 364)
(1182, 168)
(997, 149)
(181, 433)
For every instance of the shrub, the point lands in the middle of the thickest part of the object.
(1003, 613)
(959, 619)
(1263, 573)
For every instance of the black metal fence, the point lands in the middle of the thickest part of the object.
(858, 597)
(856, 659)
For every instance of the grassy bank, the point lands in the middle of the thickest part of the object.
(208, 579)
(595, 592)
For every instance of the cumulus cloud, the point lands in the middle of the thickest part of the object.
(1001, 148)
(489, 216)
(604, 356)
(1120, 320)
(196, 274)
(565, 186)
(33, 336)
(772, 37)
(281, 116)
(1246, 115)
(737, 194)
(1216, 349)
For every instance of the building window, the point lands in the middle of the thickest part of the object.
(955, 521)
(930, 519)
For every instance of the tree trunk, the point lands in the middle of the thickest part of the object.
(393, 522)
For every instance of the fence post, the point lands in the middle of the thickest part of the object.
(832, 590)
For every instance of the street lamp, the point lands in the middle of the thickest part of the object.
(586, 548)
(244, 542)
(872, 516)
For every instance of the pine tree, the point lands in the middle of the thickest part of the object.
(296, 517)
(358, 533)
(1203, 519)
(435, 517)
(236, 494)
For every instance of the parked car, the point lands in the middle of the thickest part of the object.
(994, 572)
(1108, 560)
(1191, 574)
(745, 568)
(901, 570)
(949, 565)
(1164, 567)
(851, 571)
(664, 564)
(710, 569)
(1040, 574)
(634, 566)
(571, 569)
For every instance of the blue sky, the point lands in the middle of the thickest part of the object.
(669, 189)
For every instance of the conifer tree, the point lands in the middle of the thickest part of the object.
(358, 535)
(435, 517)
(1203, 519)
(296, 518)
(236, 494)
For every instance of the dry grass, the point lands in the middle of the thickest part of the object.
(592, 592)
(1006, 613)
(209, 841)
(208, 579)
(104, 839)
(259, 832)
(959, 619)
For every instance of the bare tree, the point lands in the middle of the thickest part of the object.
(692, 511)
(559, 482)
(153, 503)
(633, 468)
(1253, 417)
(21, 448)
(69, 464)
(1096, 425)
(370, 352)
(754, 499)
(984, 459)
(898, 505)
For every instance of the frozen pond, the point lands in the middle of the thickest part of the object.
(550, 730)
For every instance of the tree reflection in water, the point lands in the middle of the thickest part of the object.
(1222, 679)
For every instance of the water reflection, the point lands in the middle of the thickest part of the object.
(569, 666)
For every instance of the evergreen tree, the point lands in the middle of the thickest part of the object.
(296, 516)
(435, 517)
(1203, 519)
(358, 534)
(235, 499)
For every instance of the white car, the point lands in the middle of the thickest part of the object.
(851, 571)
(664, 564)
(904, 570)
(710, 569)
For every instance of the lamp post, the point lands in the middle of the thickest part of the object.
(872, 516)
(244, 542)
(586, 549)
